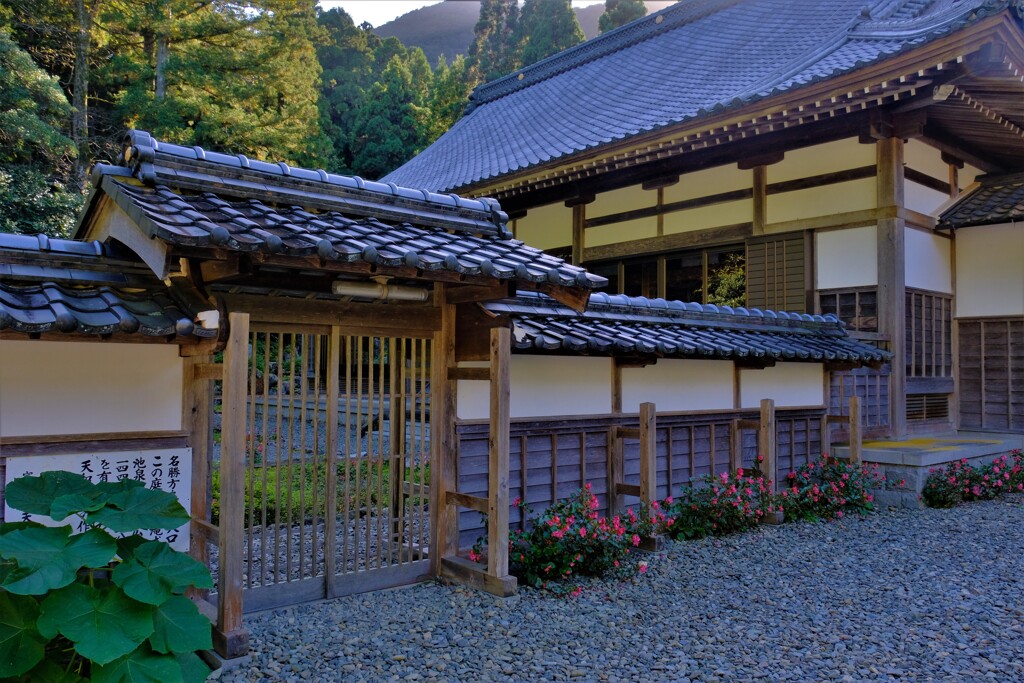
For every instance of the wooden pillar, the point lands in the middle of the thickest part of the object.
(579, 217)
(616, 470)
(616, 386)
(766, 441)
(444, 525)
(331, 460)
(855, 430)
(230, 639)
(760, 218)
(648, 453)
(891, 255)
(196, 411)
(498, 454)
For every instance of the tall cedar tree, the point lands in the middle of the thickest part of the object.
(547, 27)
(387, 127)
(35, 156)
(449, 93)
(496, 48)
(619, 13)
(239, 76)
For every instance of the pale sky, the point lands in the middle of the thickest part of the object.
(380, 12)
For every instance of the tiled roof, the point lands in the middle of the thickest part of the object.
(617, 325)
(691, 60)
(54, 285)
(997, 199)
(193, 198)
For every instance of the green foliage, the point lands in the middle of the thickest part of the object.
(87, 605)
(35, 155)
(496, 47)
(960, 482)
(545, 28)
(829, 488)
(727, 282)
(447, 97)
(620, 12)
(718, 505)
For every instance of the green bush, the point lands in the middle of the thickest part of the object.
(829, 488)
(288, 489)
(92, 605)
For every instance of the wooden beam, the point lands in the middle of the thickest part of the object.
(474, 293)
(469, 374)
(682, 240)
(68, 444)
(218, 271)
(472, 332)
(231, 639)
(461, 570)
(575, 298)
(465, 500)
(579, 232)
(498, 454)
(766, 159)
(207, 371)
(444, 528)
(397, 320)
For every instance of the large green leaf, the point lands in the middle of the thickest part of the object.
(193, 669)
(140, 508)
(49, 671)
(140, 666)
(179, 627)
(95, 548)
(103, 624)
(156, 571)
(21, 644)
(37, 495)
(44, 562)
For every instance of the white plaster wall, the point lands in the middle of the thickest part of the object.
(926, 159)
(545, 386)
(967, 175)
(789, 384)
(714, 216)
(546, 227)
(621, 232)
(49, 388)
(827, 158)
(990, 270)
(854, 195)
(707, 182)
(846, 258)
(622, 199)
(679, 385)
(922, 199)
(928, 261)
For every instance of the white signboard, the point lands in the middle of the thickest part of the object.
(168, 469)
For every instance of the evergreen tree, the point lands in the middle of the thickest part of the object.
(547, 27)
(620, 12)
(388, 127)
(495, 49)
(447, 98)
(35, 156)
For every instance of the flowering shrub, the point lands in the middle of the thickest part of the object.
(571, 539)
(960, 482)
(827, 488)
(718, 505)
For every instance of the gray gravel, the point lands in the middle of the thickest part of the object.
(922, 595)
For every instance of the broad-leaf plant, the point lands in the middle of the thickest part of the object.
(97, 601)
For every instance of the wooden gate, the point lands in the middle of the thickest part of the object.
(333, 464)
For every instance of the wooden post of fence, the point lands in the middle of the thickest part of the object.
(855, 430)
(766, 441)
(616, 470)
(498, 454)
(444, 519)
(230, 638)
(826, 434)
(648, 455)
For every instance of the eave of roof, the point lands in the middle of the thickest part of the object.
(996, 199)
(617, 325)
(83, 288)
(505, 143)
(195, 199)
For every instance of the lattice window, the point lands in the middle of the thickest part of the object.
(929, 334)
(858, 308)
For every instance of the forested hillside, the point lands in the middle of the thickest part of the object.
(273, 79)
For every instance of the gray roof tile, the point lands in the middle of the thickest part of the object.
(631, 326)
(703, 56)
(997, 199)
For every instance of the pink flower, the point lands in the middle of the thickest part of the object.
(636, 540)
(642, 567)
(583, 531)
(474, 556)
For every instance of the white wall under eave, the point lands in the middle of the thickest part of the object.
(54, 387)
(679, 385)
(928, 261)
(990, 270)
(546, 227)
(788, 384)
(846, 258)
(922, 199)
(829, 157)
(544, 386)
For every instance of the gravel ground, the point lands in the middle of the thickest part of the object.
(922, 595)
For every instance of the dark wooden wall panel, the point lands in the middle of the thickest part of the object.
(991, 363)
